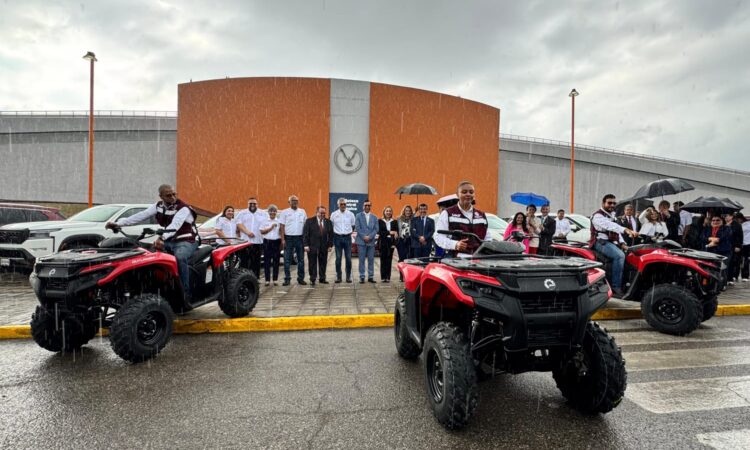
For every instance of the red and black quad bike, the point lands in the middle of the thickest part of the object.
(135, 291)
(678, 288)
(502, 311)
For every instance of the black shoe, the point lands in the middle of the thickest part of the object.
(617, 292)
(348, 280)
(370, 280)
(386, 281)
(285, 283)
(303, 282)
(312, 282)
(323, 282)
(361, 281)
(338, 280)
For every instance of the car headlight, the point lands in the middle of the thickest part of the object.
(42, 234)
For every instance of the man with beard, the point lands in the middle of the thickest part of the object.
(606, 238)
(249, 222)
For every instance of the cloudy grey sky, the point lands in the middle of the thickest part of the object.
(667, 78)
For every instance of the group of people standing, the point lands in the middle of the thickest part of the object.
(540, 230)
(271, 230)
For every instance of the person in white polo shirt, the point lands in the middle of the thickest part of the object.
(248, 224)
(292, 222)
(343, 223)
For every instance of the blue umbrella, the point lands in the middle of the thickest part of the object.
(529, 198)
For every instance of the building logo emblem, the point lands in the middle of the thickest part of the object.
(549, 284)
(348, 158)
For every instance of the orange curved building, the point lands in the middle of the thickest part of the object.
(327, 138)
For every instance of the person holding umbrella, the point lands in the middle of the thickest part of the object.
(717, 238)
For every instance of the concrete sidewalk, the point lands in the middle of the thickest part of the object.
(17, 300)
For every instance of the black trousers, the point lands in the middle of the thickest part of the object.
(316, 264)
(251, 258)
(746, 261)
(386, 262)
(271, 255)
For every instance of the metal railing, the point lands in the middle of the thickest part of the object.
(105, 113)
(516, 137)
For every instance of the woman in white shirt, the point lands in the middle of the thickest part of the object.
(226, 227)
(653, 225)
(271, 244)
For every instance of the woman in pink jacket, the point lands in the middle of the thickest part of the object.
(518, 224)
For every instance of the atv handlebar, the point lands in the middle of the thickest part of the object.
(457, 235)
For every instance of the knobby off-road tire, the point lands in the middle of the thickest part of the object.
(405, 345)
(672, 309)
(68, 334)
(450, 374)
(240, 293)
(601, 386)
(710, 306)
(141, 328)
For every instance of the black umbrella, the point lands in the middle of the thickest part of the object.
(660, 188)
(639, 204)
(416, 189)
(718, 205)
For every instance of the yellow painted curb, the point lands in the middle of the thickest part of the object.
(252, 324)
(282, 323)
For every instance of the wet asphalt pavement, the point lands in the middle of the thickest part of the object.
(349, 389)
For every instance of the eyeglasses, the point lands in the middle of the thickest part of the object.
(611, 203)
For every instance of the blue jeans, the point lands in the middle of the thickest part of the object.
(614, 254)
(366, 252)
(182, 251)
(293, 244)
(343, 244)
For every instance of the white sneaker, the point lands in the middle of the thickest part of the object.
(731, 283)
(744, 280)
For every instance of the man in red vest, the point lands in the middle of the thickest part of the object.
(465, 217)
(178, 219)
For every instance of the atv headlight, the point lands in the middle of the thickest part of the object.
(478, 289)
(42, 234)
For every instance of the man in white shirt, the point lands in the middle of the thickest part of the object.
(249, 222)
(292, 222)
(343, 223)
(686, 218)
(607, 239)
(562, 226)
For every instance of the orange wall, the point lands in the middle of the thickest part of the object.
(422, 136)
(266, 137)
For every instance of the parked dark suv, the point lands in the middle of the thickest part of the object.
(17, 213)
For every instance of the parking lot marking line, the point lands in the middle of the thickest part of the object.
(699, 335)
(667, 397)
(687, 359)
(726, 440)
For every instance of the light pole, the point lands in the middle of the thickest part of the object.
(92, 58)
(573, 94)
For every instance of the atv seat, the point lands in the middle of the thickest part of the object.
(200, 254)
(499, 248)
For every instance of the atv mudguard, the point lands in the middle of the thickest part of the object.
(219, 255)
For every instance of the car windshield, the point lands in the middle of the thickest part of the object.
(583, 221)
(209, 224)
(496, 222)
(96, 214)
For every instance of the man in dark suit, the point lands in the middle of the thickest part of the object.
(422, 229)
(630, 222)
(671, 219)
(317, 238)
(548, 231)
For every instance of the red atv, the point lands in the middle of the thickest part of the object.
(678, 288)
(505, 312)
(133, 290)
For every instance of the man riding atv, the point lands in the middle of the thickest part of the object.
(606, 239)
(178, 219)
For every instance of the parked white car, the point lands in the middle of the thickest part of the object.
(22, 243)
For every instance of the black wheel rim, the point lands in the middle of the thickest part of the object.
(245, 293)
(151, 328)
(435, 377)
(669, 310)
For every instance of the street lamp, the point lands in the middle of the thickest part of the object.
(573, 94)
(92, 58)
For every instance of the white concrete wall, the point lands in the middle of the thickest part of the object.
(545, 169)
(45, 158)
